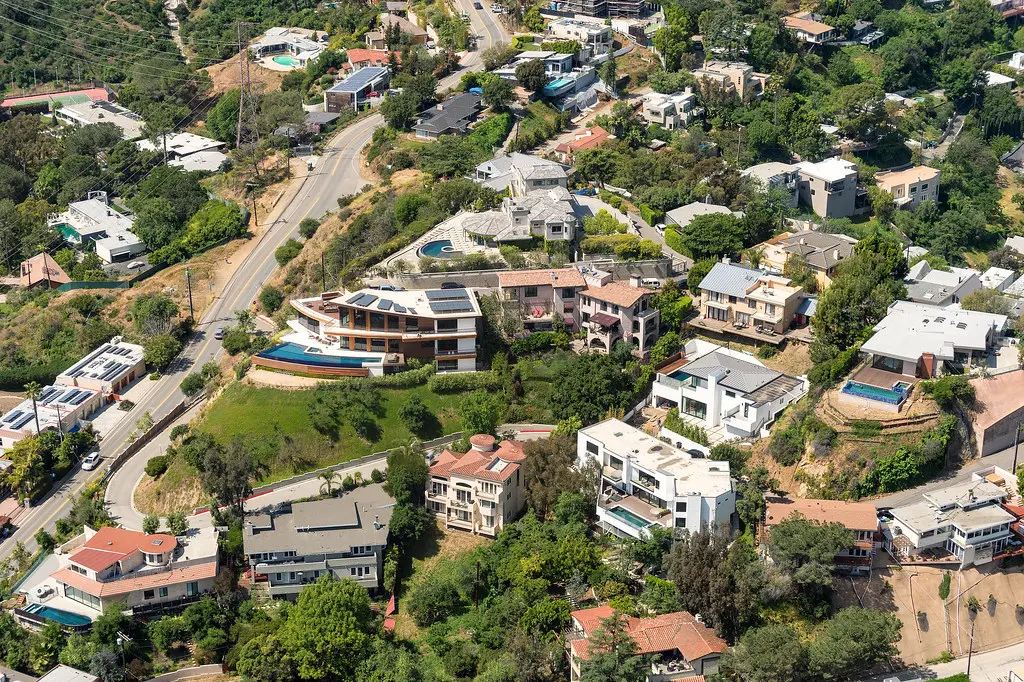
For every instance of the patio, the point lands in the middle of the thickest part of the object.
(880, 378)
(707, 324)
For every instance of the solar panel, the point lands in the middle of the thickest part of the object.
(399, 308)
(367, 300)
(81, 399)
(47, 393)
(13, 415)
(354, 298)
(451, 306)
(22, 421)
(384, 305)
(446, 294)
(69, 396)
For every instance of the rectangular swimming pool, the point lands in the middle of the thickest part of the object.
(893, 396)
(58, 615)
(629, 517)
(294, 352)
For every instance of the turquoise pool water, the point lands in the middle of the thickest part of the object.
(285, 60)
(629, 517)
(58, 615)
(557, 83)
(441, 248)
(893, 396)
(294, 352)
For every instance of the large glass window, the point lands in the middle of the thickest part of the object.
(447, 325)
(82, 597)
(377, 322)
(360, 319)
(695, 408)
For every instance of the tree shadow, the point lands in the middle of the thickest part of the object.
(431, 429)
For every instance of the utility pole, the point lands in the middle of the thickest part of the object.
(970, 648)
(323, 273)
(247, 134)
(188, 285)
(1016, 446)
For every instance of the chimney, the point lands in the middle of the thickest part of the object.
(803, 240)
(376, 522)
(835, 254)
(726, 260)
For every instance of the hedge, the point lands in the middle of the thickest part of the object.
(15, 378)
(828, 373)
(463, 381)
(539, 341)
(673, 240)
(157, 466)
(651, 216)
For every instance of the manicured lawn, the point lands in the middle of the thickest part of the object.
(268, 414)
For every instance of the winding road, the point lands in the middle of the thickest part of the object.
(339, 173)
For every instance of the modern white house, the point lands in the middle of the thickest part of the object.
(940, 288)
(965, 522)
(340, 536)
(294, 47)
(999, 279)
(101, 111)
(647, 482)
(921, 341)
(728, 393)
(595, 38)
(778, 176)
(93, 223)
(188, 151)
(671, 111)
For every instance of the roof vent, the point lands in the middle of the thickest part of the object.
(158, 542)
(376, 522)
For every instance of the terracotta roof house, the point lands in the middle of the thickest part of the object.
(109, 566)
(543, 295)
(677, 645)
(859, 517)
(481, 490)
(359, 57)
(591, 138)
(808, 29)
(42, 269)
(614, 310)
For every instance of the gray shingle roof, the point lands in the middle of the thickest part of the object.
(455, 113)
(730, 279)
(741, 375)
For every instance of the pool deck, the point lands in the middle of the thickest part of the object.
(452, 231)
(880, 378)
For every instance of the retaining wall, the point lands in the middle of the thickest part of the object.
(189, 673)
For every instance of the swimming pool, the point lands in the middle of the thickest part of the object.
(891, 396)
(629, 517)
(556, 84)
(285, 60)
(294, 352)
(58, 615)
(440, 248)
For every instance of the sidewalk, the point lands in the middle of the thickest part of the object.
(992, 666)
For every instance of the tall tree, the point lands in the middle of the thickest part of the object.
(33, 390)
(613, 656)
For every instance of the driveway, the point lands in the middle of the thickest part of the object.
(679, 261)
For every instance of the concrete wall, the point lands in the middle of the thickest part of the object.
(999, 436)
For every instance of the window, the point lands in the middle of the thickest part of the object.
(488, 522)
(681, 522)
(592, 448)
(531, 292)
(769, 308)
(488, 488)
(377, 345)
(730, 394)
(680, 507)
(437, 507)
(163, 591)
(464, 496)
(568, 292)
(447, 325)
(148, 594)
(447, 365)
(438, 489)
(82, 597)
(462, 515)
(192, 589)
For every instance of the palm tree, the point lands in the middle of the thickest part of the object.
(329, 478)
(754, 255)
(33, 390)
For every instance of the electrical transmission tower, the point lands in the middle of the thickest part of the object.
(248, 135)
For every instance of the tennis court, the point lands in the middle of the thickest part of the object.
(66, 97)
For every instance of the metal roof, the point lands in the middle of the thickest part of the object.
(740, 375)
(360, 79)
(730, 279)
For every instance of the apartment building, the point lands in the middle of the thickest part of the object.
(829, 187)
(480, 491)
(939, 287)
(822, 252)
(375, 326)
(911, 186)
(113, 566)
(737, 78)
(613, 310)
(964, 523)
(923, 341)
(728, 393)
(675, 646)
(595, 39)
(671, 112)
(94, 224)
(858, 517)
(777, 176)
(344, 537)
(808, 29)
(543, 295)
(743, 297)
(646, 482)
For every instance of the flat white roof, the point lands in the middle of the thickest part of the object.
(766, 171)
(993, 79)
(995, 277)
(107, 363)
(102, 111)
(829, 170)
(182, 144)
(946, 506)
(93, 215)
(210, 160)
(65, 673)
(910, 330)
(65, 401)
(693, 476)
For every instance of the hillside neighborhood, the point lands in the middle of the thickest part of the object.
(572, 341)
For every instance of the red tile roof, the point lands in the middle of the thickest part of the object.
(678, 631)
(592, 137)
(361, 55)
(480, 464)
(109, 545)
(145, 580)
(617, 292)
(563, 277)
(853, 515)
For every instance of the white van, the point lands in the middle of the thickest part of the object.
(651, 283)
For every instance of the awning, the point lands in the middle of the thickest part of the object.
(604, 320)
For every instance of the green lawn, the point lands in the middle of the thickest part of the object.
(268, 414)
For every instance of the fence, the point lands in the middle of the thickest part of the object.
(142, 440)
(108, 284)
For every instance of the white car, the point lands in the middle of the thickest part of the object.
(91, 461)
(135, 265)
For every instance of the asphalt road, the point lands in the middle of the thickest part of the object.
(338, 173)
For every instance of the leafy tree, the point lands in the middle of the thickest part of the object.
(572, 507)
(609, 73)
(222, 121)
(986, 301)
(407, 474)
(156, 222)
(481, 412)
(228, 473)
(751, 504)
(602, 223)
(613, 656)
(177, 523)
(168, 631)
(589, 386)
(853, 640)
(532, 75)
(961, 79)
(408, 523)
(327, 633)
(498, 55)
(416, 416)
(697, 273)
(192, 384)
(549, 467)
(150, 524)
(399, 111)
(546, 616)
(434, 600)
(153, 314)
(271, 298)
(287, 252)
(498, 93)
(596, 164)
(773, 653)
(713, 235)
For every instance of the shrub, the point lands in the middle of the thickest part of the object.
(308, 227)
(125, 405)
(674, 423)
(179, 431)
(348, 483)
(865, 428)
(463, 382)
(156, 467)
(287, 251)
(271, 299)
(192, 384)
(944, 586)
(651, 216)
(829, 372)
(786, 446)
(150, 524)
(767, 351)
(236, 341)
(377, 476)
(949, 390)
(539, 341)
(242, 367)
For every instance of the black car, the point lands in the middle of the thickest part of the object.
(452, 285)
(477, 5)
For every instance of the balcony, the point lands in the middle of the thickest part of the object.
(449, 353)
(612, 474)
(669, 382)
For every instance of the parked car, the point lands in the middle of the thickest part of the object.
(430, 45)
(91, 461)
(372, 94)
(452, 285)
(694, 452)
(660, 227)
(219, 334)
(136, 264)
(477, 5)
